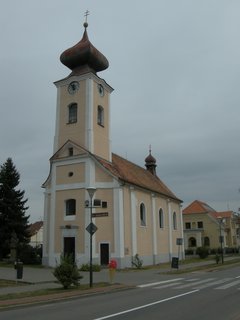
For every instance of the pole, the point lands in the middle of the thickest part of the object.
(91, 269)
(221, 240)
(91, 191)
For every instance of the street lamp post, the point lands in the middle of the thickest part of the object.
(221, 236)
(91, 191)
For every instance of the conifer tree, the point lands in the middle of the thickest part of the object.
(13, 221)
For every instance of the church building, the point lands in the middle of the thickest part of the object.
(96, 203)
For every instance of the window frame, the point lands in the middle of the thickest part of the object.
(161, 218)
(188, 224)
(100, 115)
(174, 216)
(70, 207)
(72, 112)
(142, 215)
(200, 224)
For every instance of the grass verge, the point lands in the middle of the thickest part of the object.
(46, 292)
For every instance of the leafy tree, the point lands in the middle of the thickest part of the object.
(13, 221)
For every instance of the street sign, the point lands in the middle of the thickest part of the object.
(91, 228)
(179, 241)
(99, 214)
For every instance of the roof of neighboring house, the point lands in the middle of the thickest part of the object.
(198, 207)
(35, 227)
(223, 214)
(131, 173)
(202, 207)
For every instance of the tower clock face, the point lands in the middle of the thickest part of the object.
(73, 87)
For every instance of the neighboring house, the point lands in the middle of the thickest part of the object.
(133, 210)
(203, 226)
(36, 233)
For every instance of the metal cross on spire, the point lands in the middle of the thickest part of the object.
(86, 15)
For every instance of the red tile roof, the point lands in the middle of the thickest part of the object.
(131, 173)
(202, 207)
(35, 227)
(127, 172)
(198, 207)
(223, 214)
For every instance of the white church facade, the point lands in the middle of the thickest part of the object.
(133, 210)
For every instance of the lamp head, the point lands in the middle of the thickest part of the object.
(91, 191)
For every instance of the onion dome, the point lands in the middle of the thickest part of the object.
(84, 57)
(150, 163)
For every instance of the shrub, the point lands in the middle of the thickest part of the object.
(189, 252)
(137, 262)
(213, 251)
(86, 267)
(229, 250)
(202, 252)
(29, 255)
(67, 272)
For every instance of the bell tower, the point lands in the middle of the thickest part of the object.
(83, 100)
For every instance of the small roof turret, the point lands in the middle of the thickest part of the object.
(150, 163)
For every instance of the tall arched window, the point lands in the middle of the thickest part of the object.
(70, 207)
(72, 113)
(174, 220)
(100, 116)
(161, 221)
(142, 214)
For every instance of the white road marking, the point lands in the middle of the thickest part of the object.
(146, 305)
(191, 280)
(152, 284)
(167, 285)
(229, 285)
(193, 284)
(210, 284)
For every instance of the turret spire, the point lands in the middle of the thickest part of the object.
(150, 162)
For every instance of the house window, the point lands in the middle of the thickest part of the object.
(100, 116)
(70, 152)
(72, 113)
(188, 225)
(142, 215)
(200, 225)
(174, 220)
(104, 204)
(70, 207)
(206, 242)
(192, 242)
(161, 222)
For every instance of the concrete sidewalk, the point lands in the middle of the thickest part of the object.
(42, 278)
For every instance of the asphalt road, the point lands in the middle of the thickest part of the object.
(195, 296)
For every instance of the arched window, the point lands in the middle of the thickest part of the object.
(72, 113)
(192, 242)
(142, 215)
(70, 207)
(100, 116)
(206, 242)
(161, 222)
(174, 220)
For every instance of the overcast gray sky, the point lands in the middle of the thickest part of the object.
(175, 68)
